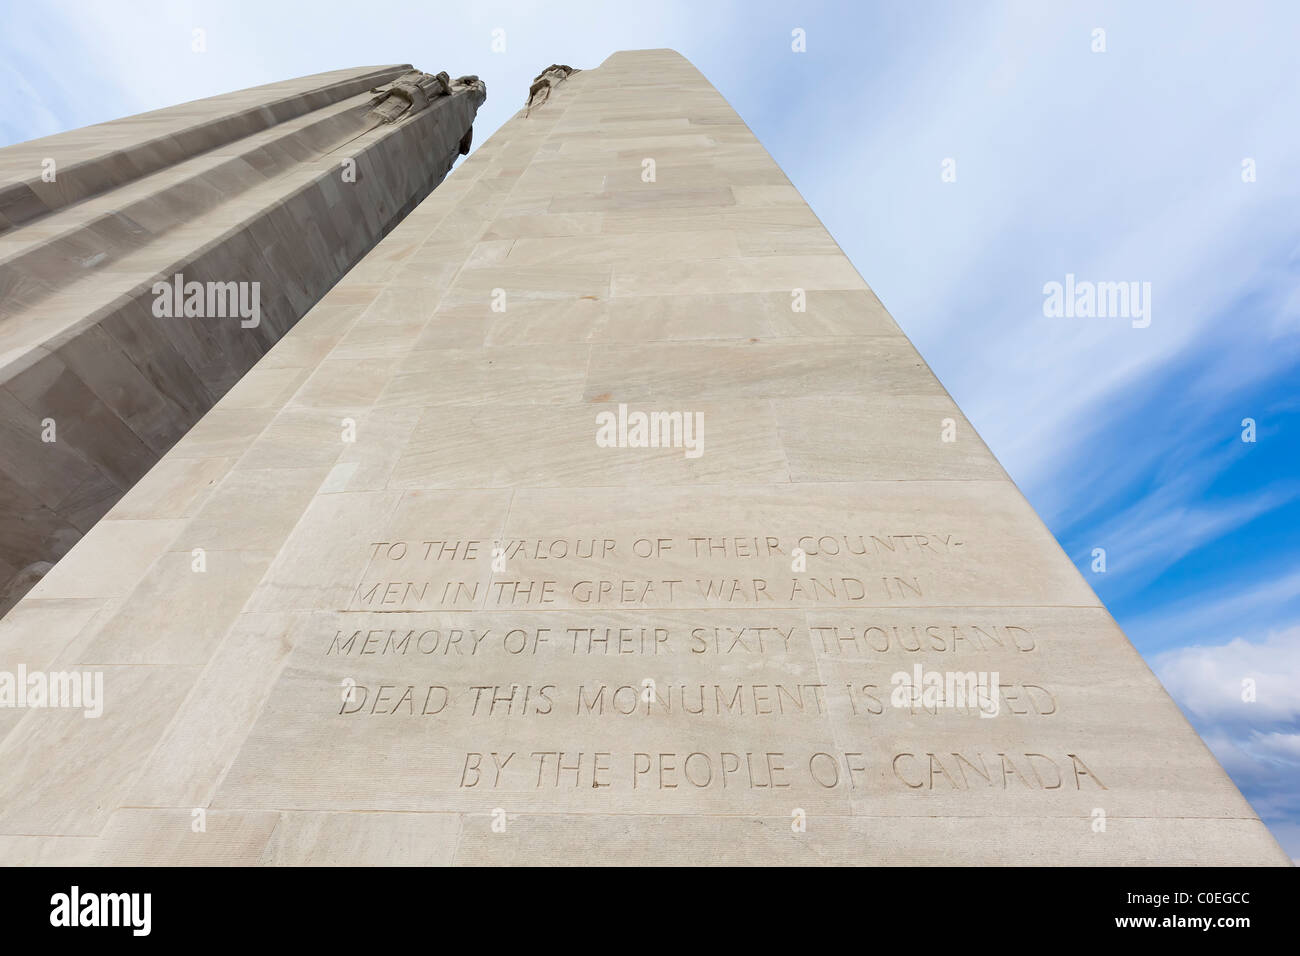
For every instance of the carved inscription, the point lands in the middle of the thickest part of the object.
(641, 647)
(849, 569)
(773, 770)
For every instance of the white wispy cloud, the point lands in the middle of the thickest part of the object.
(1070, 161)
(1257, 740)
(1172, 521)
(1207, 680)
(1230, 611)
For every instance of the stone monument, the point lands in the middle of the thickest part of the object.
(245, 208)
(599, 514)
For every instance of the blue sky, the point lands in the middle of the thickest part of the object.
(1117, 165)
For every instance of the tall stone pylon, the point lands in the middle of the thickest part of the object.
(601, 514)
(147, 263)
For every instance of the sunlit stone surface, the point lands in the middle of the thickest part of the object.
(413, 593)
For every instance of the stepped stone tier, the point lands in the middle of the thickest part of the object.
(600, 514)
(244, 194)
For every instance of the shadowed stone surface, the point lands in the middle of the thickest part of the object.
(246, 188)
(439, 623)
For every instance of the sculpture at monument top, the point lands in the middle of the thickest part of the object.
(413, 91)
(544, 82)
